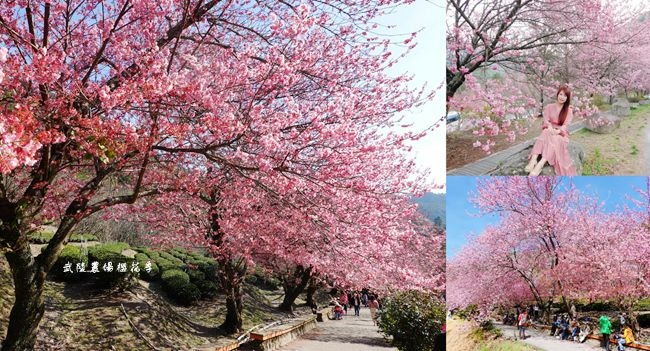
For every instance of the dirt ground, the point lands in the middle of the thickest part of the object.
(459, 338)
(79, 316)
(461, 152)
(623, 152)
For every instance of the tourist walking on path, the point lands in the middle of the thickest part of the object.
(552, 144)
(605, 330)
(356, 302)
(522, 320)
(373, 305)
(344, 301)
(348, 334)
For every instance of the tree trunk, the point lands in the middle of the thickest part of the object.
(234, 307)
(454, 82)
(632, 322)
(290, 296)
(28, 308)
(230, 280)
(293, 286)
(311, 291)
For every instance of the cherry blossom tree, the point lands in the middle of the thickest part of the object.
(363, 239)
(552, 242)
(486, 33)
(103, 100)
(594, 46)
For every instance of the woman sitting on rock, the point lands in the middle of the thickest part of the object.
(552, 144)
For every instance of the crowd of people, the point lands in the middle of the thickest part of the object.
(355, 299)
(568, 327)
(624, 337)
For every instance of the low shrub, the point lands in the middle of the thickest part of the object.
(171, 258)
(470, 312)
(207, 287)
(71, 255)
(177, 285)
(642, 305)
(42, 237)
(116, 247)
(142, 260)
(195, 275)
(174, 275)
(179, 253)
(209, 269)
(599, 306)
(413, 319)
(165, 265)
(114, 269)
(77, 238)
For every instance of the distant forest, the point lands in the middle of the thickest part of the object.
(433, 207)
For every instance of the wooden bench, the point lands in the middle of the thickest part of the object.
(600, 338)
(615, 342)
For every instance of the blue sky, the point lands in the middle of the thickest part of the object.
(426, 63)
(462, 216)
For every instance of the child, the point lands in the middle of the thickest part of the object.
(338, 311)
(626, 338)
(575, 330)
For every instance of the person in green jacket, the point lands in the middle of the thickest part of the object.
(605, 330)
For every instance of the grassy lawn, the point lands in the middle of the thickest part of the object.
(621, 152)
(642, 305)
(463, 335)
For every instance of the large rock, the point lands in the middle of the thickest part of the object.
(621, 107)
(515, 164)
(603, 123)
(644, 102)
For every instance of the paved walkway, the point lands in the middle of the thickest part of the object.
(349, 334)
(542, 340)
(489, 164)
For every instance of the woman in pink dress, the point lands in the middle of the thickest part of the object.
(553, 143)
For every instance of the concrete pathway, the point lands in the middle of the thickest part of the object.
(490, 163)
(349, 334)
(541, 339)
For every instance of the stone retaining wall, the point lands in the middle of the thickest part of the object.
(281, 335)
